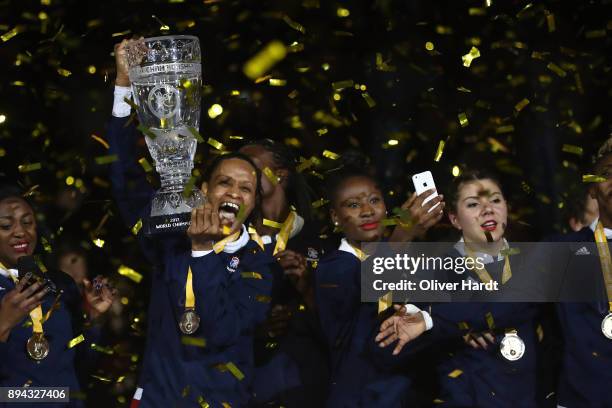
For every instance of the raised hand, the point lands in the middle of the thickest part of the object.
(296, 267)
(206, 227)
(420, 219)
(18, 303)
(99, 296)
(402, 328)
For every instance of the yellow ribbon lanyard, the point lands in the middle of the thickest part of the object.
(484, 275)
(36, 314)
(605, 259)
(360, 254)
(217, 247)
(282, 238)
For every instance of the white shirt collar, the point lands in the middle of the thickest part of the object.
(7, 273)
(607, 231)
(235, 246)
(487, 258)
(346, 247)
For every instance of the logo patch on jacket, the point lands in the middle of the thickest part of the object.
(582, 251)
(313, 254)
(233, 264)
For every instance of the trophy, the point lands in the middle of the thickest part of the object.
(166, 77)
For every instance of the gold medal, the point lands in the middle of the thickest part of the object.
(190, 321)
(37, 346)
(606, 326)
(512, 347)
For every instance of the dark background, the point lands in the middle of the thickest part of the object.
(53, 101)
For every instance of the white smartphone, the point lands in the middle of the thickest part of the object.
(422, 182)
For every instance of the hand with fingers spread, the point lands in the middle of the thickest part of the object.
(277, 322)
(99, 295)
(420, 219)
(479, 340)
(18, 303)
(402, 328)
(206, 227)
(296, 267)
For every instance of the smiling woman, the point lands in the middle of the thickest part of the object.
(40, 354)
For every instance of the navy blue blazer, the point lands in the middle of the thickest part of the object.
(215, 364)
(357, 377)
(586, 374)
(65, 323)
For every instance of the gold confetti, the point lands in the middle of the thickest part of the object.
(137, 227)
(463, 120)
(146, 166)
(319, 203)
(477, 11)
(146, 131)
(550, 21)
(270, 175)
(103, 379)
(567, 148)
(129, 273)
(496, 145)
(226, 230)
(193, 341)
(330, 155)
(592, 178)
(455, 373)
(490, 321)
(595, 34)
(271, 54)
(340, 85)
(98, 242)
(277, 82)
(556, 69)
(100, 349)
(263, 298)
(540, 332)
(202, 402)
(75, 341)
(25, 168)
(251, 275)
(369, 100)
(64, 72)
(440, 150)
(13, 32)
(519, 106)
(463, 326)
(385, 302)
(469, 57)
(100, 140)
(107, 159)
(294, 25)
(504, 129)
(46, 245)
(272, 224)
(234, 370)
(215, 143)
(387, 222)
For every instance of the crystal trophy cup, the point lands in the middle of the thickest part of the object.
(166, 77)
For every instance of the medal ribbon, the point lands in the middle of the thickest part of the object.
(484, 275)
(283, 236)
(219, 246)
(189, 295)
(605, 259)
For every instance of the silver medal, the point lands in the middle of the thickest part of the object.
(190, 321)
(606, 326)
(512, 347)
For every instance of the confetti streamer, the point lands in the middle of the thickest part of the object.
(519, 106)
(490, 321)
(470, 56)
(270, 175)
(272, 224)
(463, 120)
(100, 349)
(129, 273)
(193, 341)
(592, 178)
(251, 275)
(106, 159)
(455, 373)
(263, 299)
(567, 148)
(26, 168)
(385, 302)
(146, 166)
(340, 85)
(439, 151)
(330, 155)
(371, 102)
(12, 33)
(269, 56)
(215, 143)
(556, 69)
(146, 131)
(319, 203)
(235, 371)
(75, 341)
(100, 140)
(137, 227)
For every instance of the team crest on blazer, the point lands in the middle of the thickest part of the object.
(313, 254)
(233, 264)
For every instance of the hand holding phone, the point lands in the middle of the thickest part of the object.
(422, 182)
